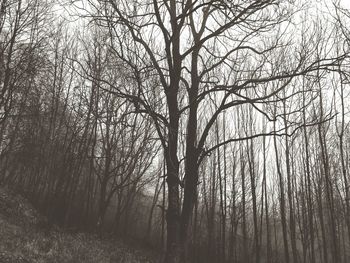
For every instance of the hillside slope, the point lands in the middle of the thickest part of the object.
(24, 239)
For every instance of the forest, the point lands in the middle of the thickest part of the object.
(210, 131)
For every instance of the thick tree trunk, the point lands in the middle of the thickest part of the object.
(190, 196)
(173, 247)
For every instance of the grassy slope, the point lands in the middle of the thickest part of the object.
(24, 239)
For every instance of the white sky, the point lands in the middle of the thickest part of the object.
(345, 3)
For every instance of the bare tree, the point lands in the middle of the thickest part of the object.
(185, 44)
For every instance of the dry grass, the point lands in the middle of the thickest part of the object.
(23, 240)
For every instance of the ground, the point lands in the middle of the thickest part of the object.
(25, 239)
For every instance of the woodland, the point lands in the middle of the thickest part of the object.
(210, 131)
